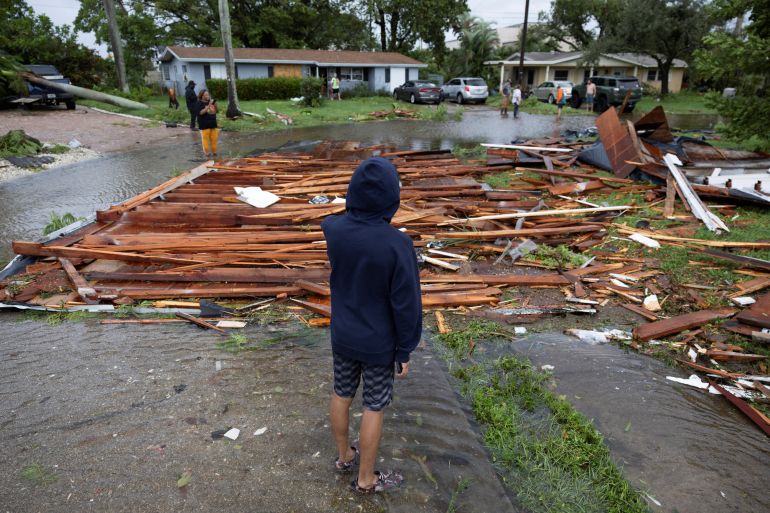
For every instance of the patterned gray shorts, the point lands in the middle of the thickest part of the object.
(378, 381)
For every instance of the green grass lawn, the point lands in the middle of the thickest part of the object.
(686, 102)
(352, 109)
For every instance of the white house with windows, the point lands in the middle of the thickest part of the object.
(542, 67)
(377, 70)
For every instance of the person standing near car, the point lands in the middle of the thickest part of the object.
(376, 315)
(560, 100)
(516, 101)
(207, 122)
(506, 98)
(590, 93)
(192, 102)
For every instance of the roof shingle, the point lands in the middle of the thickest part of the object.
(320, 57)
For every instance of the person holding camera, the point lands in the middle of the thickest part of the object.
(207, 123)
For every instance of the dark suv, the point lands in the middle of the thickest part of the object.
(48, 95)
(611, 90)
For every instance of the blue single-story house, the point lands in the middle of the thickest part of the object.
(378, 70)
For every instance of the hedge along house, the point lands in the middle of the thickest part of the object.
(542, 67)
(377, 70)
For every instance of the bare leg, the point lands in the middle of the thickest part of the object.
(339, 413)
(371, 432)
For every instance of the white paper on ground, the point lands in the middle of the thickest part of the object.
(519, 330)
(233, 433)
(694, 381)
(255, 196)
(744, 301)
(338, 200)
(260, 431)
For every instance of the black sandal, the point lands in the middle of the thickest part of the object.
(385, 481)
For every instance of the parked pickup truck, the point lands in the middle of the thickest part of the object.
(611, 90)
(47, 95)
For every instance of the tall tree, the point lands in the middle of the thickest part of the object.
(662, 29)
(401, 23)
(580, 23)
(233, 106)
(116, 44)
(478, 42)
(740, 61)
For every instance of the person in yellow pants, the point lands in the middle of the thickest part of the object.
(207, 123)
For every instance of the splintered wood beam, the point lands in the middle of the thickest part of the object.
(541, 213)
(315, 288)
(84, 290)
(524, 232)
(37, 249)
(199, 322)
(680, 323)
(316, 308)
(534, 280)
(233, 275)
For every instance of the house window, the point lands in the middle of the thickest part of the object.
(652, 75)
(207, 71)
(561, 75)
(387, 75)
(236, 72)
(269, 72)
(184, 68)
(166, 72)
(351, 74)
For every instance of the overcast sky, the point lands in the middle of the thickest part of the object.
(499, 11)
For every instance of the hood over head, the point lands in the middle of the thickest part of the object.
(374, 191)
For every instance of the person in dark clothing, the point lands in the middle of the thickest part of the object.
(207, 122)
(376, 314)
(192, 101)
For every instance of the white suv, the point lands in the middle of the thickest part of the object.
(466, 89)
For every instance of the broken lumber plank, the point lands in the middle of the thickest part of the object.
(524, 232)
(754, 318)
(84, 290)
(756, 417)
(457, 300)
(317, 308)
(441, 263)
(755, 263)
(576, 175)
(197, 292)
(199, 322)
(709, 370)
(680, 323)
(315, 288)
(720, 356)
(701, 242)
(573, 188)
(640, 311)
(37, 249)
(502, 279)
(236, 275)
(539, 213)
(668, 208)
(441, 322)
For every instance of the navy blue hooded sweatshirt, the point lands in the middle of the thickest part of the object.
(375, 283)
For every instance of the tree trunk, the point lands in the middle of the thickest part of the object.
(233, 106)
(663, 69)
(84, 93)
(394, 19)
(383, 29)
(116, 43)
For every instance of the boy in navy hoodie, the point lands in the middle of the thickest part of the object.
(376, 313)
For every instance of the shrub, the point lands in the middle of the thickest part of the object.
(650, 90)
(276, 88)
(310, 89)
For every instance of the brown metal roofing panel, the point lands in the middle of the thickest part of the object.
(617, 143)
(284, 54)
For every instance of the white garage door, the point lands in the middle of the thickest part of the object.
(397, 77)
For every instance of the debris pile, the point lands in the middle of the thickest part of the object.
(250, 228)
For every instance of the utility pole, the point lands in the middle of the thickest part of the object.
(523, 44)
(116, 43)
(233, 106)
